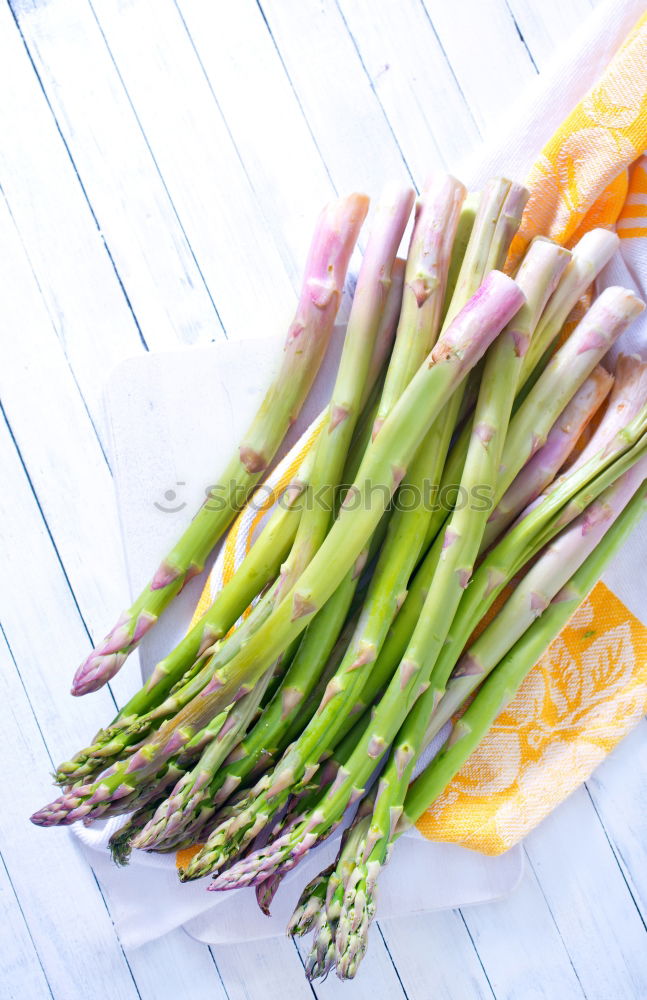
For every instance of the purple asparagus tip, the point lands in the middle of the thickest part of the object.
(96, 671)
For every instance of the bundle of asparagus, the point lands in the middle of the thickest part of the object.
(442, 469)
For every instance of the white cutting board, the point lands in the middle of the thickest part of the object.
(175, 418)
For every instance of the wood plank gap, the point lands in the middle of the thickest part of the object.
(521, 36)
(552, 917)
(24, 919)
(159, 172)
(476, 952)
(617, 856)
(449, 65)
(377, 98)
(78, 176)
(51, 538)
(294, 91)
(388, 951)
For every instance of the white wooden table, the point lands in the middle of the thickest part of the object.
(161, 163)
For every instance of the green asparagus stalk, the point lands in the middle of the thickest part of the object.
(320, 903)
(332, 446)
(502, 684)
(167, 825)
(627, 399)
(381, 472)
(369, 300)
(335, 236)
(386, 592)
(395, 811)
(259, 567)
(411, 680)
(194, 799)
(543, 580)
(590, 254)
(300, 804)
(588, 258)
(608, 317)
(466, 221)
(312, 902)
(436, 220)
(542, 468)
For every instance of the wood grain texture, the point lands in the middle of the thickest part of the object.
(161, 164)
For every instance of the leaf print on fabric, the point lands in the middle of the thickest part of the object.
(587, 691)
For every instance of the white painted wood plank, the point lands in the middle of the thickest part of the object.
(489, 58)
(549, 26)
(54, 433)
(41, 619)
(589, 901)
(413, 81)
(618, 789)
(262, 114)
(177, 968)
(129, 198)
(335, 92)
(73, 269)
(21, 972)
(67, 920)
(435, 956)
(521, 950)
(264, 970)
(235, 243)
(61, 900)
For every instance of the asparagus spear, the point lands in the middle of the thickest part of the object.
(626, 401)
(300, 804)
(545, 463)
(608, 317)
(396, 809)
(466, 220)
(335, 236)
(398, 557)
(372, 288)
(385, 462)
(538, 586)
(332, 446)
(258, 568)
(588, 258)
(501, 686)
(436, 220)
(411, 681)
(590, 254)
(126, 736)
(193, 800)
(537, 278)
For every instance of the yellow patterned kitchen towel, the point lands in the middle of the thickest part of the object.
(590, 688)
